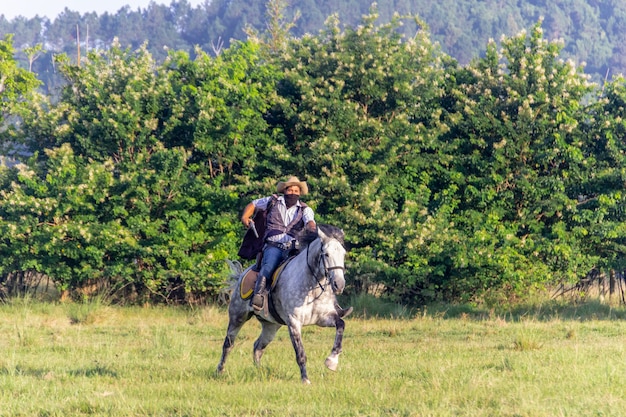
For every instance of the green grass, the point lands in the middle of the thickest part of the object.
(99, 360)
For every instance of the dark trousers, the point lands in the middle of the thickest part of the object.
(272, 257)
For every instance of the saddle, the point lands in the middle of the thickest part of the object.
(246, 286)
(246, 289)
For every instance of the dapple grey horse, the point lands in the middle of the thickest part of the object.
(304, 294)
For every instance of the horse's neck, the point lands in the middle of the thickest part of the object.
(310, 259)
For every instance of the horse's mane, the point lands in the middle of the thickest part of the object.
(306, 237)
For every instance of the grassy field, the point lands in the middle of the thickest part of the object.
(97, 360)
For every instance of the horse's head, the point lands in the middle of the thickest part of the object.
(333, 256)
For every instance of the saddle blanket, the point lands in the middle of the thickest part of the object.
(246, 287)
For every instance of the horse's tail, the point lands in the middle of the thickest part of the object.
(230, 285)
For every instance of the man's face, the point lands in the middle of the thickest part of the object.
(293, 189)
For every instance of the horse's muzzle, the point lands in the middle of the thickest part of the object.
(337, 280)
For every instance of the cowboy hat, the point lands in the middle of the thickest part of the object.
(280, 187)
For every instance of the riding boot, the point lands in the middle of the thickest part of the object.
(257, 298)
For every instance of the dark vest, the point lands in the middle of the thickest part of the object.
(276, 226)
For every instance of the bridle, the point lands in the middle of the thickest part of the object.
(324, 262)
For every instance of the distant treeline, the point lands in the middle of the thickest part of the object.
(592, 31)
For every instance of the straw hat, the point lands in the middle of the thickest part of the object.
(304, 189)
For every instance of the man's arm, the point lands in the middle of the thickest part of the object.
(309, 220)
(311, 226)
(248, 212)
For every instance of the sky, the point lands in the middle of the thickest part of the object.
(52, 8)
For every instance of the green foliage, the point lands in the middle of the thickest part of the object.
(518, 159)
(480, 183)
(49, 222)
(165, 142)
(600, 195)
(16, 84)
(357, 116)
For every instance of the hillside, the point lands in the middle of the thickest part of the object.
(592, 31)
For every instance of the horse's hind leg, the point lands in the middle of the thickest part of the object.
(333, 359)
(235, 322)
(268, 333)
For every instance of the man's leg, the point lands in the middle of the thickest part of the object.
(259, 288)
(272, 257)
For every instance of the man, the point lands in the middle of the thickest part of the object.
(286, 216)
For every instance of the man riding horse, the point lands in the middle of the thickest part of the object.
(306, 291)
(286, 215)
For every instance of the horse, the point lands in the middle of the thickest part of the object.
(303, 293)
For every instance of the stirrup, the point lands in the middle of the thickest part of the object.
(257, 302)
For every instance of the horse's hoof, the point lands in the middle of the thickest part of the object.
(331, 363)
(306, 381)
(346, 312)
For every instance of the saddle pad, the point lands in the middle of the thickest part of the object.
(246, 287)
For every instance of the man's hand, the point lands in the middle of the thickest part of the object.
(253, 227)
(246, 216)
(311, 226)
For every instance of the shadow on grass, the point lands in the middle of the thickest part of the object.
(368, 306)
(19, 370)
(544, 311)
(94, 371)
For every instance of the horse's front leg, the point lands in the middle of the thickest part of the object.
(296, 340)
(333, 359)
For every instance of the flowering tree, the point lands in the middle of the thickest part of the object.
(475, 183)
